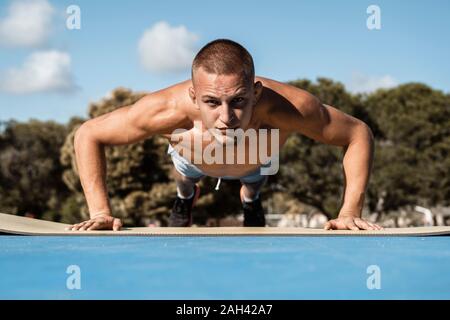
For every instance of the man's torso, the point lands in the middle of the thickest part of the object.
(193, 145)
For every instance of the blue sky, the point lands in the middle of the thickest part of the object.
(50, 72)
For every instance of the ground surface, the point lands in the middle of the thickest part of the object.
(232, 267)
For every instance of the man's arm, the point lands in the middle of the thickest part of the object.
(328, 125)
(153, 114)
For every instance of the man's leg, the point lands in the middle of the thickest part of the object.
(186, 176)
(185, 185)
(250, 191)
(187, 194)
(251, 202)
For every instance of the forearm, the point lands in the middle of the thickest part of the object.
(357, 164)
(91, 165)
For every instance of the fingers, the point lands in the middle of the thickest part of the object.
(335, 224)
(343, 224)
(376, 226)
(350, 224)
(364, 225)
(95, 226)
(77, 226)
(330, 225)
(117, 224)
(87, 225)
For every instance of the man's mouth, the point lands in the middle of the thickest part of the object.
(229, 128)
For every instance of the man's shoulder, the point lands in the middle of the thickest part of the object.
(174, 93)
(164, 108)
(285, 92)
(283, 98)
(172, 98)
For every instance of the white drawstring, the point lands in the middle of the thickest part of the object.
(218, 183)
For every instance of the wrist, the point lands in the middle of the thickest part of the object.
(353, 206)
(350, 212)
(100, 214)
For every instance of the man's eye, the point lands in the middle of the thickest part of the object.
(213, 102)
(238, 100)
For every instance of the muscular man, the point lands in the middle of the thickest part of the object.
(223, 96)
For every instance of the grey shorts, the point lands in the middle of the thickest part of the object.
(187, 169)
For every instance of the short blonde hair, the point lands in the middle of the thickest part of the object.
(223, 56)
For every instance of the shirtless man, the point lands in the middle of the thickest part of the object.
(224, 93)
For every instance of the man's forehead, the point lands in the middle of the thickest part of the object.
(210, 83)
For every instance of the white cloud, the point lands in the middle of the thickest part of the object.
(44, 71)
(163, 48)
(27, 24)
(364, 83)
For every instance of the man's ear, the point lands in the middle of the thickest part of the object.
(258, 87)
(192, 96)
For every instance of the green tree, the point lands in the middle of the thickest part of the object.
(411, 164)
(29, 167)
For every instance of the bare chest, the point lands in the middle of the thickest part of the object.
(236, 154)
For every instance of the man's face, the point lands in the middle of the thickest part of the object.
(225, 101)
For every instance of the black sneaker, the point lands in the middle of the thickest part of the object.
(181, 215)
(254, 214)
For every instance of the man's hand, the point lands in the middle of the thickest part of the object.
(100, 222)
(350, 223)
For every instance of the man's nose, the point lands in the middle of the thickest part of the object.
(227, 116)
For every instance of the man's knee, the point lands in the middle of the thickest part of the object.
(182, 178)
(255, 185)
(250, 191)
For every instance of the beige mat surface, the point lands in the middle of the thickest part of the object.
(11, 224)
